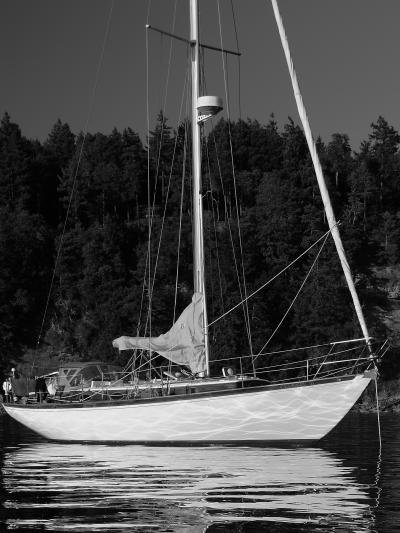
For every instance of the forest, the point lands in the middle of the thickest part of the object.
(95, 239)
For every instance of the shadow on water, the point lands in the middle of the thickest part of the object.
(338, 485)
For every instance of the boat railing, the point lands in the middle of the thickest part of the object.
(305, 363)
(308, 364)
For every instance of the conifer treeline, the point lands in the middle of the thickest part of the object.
(98, 292)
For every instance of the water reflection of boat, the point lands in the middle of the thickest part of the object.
(180, 489)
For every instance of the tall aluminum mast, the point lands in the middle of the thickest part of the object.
(198, 240)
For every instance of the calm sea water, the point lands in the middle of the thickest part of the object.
(342, 485)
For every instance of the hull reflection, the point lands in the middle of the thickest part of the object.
(119, 488)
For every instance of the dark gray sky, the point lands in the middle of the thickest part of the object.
(345, 53)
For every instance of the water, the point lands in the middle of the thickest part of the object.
(342, 485)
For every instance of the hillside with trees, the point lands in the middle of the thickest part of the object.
(77, 268)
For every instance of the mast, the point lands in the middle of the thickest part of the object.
(320, 176)
(198, 240)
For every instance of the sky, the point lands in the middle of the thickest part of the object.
(345, 53)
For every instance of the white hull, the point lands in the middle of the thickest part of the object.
(299, 412)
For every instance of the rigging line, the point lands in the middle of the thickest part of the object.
(274, 277)
(169, 185)
(215, 226)
(294, 350)
(358, 360)
(318, 357)
(211, 232)
(313, 346)
(164, 104)
(227, 216)
(247, 316)
(239, 64)
(296, 296)
(170, 57)
(75, 175)
(151, 209)
(185, 143)
(350, 368)
(148, 168)
(204, 88)
(202, 62)
(319, 174)
(142, 297)
(151, 206)
(361, 354)
(329, 373)
(380, 349)
(148, 262)
(148, 11)
(132, 362)
(151, 283)
(210, 203)
(302, 364)
(326, 356)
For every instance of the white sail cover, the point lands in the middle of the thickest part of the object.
(183, 344)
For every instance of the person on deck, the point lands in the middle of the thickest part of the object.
(19, 385)
(7, 388)
(40, 389)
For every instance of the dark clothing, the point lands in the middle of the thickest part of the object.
(41, 389)
(19, 387)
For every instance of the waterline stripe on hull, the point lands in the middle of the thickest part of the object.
(290, 413)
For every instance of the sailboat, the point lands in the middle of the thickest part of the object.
(182, 402)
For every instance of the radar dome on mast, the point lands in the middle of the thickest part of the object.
(208, 106)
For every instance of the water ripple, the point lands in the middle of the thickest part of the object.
(81, 488)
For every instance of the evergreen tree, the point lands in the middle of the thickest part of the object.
(102, 285)
(16, 155)
(25, 271)
(384, 163)
(60, 144)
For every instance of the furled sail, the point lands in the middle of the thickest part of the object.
(183, 344)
